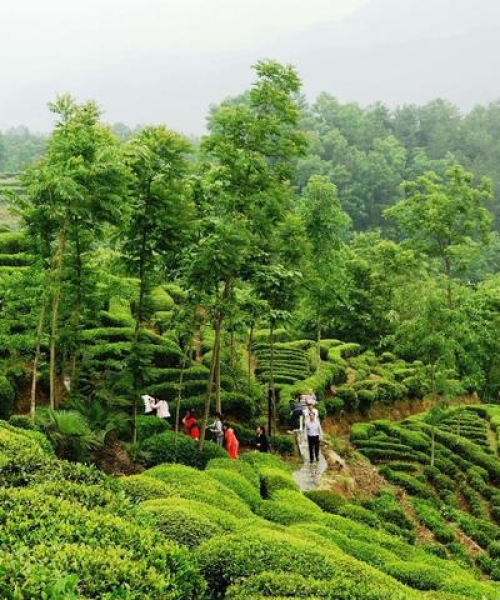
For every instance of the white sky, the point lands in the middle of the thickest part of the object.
(167, 60)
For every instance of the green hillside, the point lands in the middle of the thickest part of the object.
(235, 530)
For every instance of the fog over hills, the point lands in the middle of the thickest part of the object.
(167, 62)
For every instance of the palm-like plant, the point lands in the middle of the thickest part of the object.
(104, 419)
(71, 434)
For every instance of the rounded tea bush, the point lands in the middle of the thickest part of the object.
(164, 448)
(192, 484)
(236, 482)
(140, 487)
(180, 520)
(241, 467)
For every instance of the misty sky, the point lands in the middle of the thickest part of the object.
(151, 61)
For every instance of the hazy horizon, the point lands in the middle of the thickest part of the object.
(157, 61)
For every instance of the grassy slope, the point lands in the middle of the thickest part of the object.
(249, 534)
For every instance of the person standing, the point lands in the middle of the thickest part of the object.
(313, 433)
(217, 429)
(295, 414)
(190, 425)
(148, 405)
(232, 444)
(261, 440)
(161, 407)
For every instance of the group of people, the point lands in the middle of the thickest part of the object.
(222, 433)
(304, 417)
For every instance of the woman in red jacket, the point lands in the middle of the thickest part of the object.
(189, 422)
(232, 444)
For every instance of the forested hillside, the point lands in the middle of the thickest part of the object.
(343, 255)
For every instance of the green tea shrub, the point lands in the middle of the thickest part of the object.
(361, 431)
(161, 299)
(326, 500)
(366, 399)
(7, 397)
(480, 530)
(140, 487)
(390, 512)
(253, 551)
(348, 396)
(192, 484)
(263, 459)
(147, 427)
(119, 314)
(90, 496)
(359, 513)
(434, 521)
(242, 405)
(81, 571)
(236, 482)
(273, 479)
(284, 585)
(22, 422)
(416, 575)
(283, 444)
(185, 522)
(243, 468)
(13, 242)
(417, 386)
(411, 484)
(163, 448)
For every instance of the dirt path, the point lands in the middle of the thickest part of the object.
(308, 476)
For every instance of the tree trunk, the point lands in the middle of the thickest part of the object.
(179, 395)
(318, 343)
(433, 444)
(447, 266)
(250, 343)
(272, 387)
(231, 349)
(139, 318)
(77, 309)
(217, 349)
(36, 360)
(208, 396)
(56, 300)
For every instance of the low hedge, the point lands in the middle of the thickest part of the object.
(141, 487)
(240, 486)
(288, 507)
(224, 560)
(326, 500)
(186, 522)
(434, 521)
(193, 484)
(273, 479)
(241, 467)
(7, 397)
(164, 448)
(101, 554)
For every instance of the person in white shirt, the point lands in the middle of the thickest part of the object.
(148, 408)
(161, 406)
(305, 413)
(314, 433)
(217, 429)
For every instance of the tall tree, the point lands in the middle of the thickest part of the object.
(247, 166)
(445, 219)
(160, 213)
(77, 185)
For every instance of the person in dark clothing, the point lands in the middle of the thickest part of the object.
(296, 413)
(261, 441)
